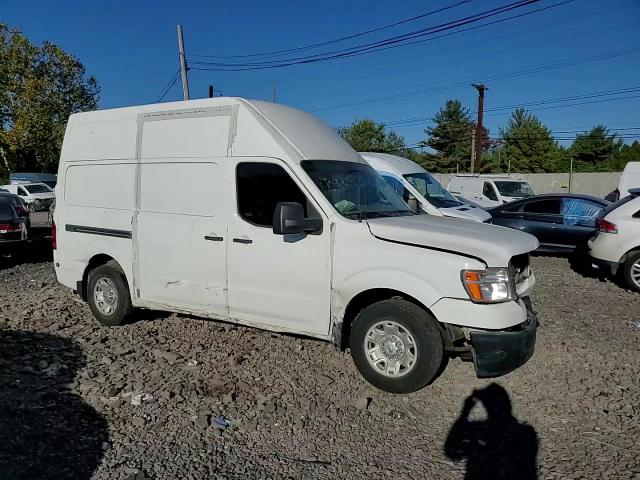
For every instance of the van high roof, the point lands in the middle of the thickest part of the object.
(255, 128)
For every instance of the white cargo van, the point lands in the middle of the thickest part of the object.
(256, 213)
(489, 190)
(412, 182)
(629, 180)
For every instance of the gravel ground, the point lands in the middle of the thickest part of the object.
(141, 401)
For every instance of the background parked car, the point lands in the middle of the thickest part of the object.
(20, 207)
(629, 180)
(38, 196)
(13, 229)
(411, 181)
(489, 190)
(561, 222)
(616, 245)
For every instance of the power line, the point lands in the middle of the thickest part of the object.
(167, 88)
(419, 120)
(341, 39)
(504, 76)
(370, 47)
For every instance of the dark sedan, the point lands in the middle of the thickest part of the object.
(13, 229)
(560, 222)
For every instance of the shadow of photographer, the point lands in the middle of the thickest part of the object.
(498, 447)
(46, 430)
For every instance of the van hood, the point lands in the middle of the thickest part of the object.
(44, 195)
(492, 244)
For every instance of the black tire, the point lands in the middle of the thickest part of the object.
(627, 270)
(123, 308)
(422, 327)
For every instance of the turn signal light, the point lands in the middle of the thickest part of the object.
(488, 286)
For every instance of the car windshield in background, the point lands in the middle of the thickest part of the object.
(514, 189)
(37, 188)
(50, 184)
(355, 189)
(431, 190)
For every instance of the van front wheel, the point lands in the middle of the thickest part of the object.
(108, 295)
(396, 346)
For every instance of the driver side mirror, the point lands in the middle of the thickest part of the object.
(288, 219)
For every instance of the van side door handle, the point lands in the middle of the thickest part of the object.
(213, 238)
(242, 240)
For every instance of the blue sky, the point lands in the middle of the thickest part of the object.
(131, 48)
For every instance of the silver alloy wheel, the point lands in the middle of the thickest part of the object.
(390, 349)
(105, 296)
(635, 272)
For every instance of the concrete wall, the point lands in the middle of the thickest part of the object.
(597, 184)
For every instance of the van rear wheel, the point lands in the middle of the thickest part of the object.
(396, 346)
(108, 295)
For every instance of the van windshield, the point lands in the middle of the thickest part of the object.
(37, 188)
(514, 189)
(355, 189)
(432, 190)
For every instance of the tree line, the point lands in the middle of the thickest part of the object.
(524, 144)
(40, 86)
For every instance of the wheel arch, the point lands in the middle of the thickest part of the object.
(96, 261)
(368, 297)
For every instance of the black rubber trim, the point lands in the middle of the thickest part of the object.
(453, 252)
(242, 240)
(213, 239)
(106, 232)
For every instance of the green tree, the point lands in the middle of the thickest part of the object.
(369, 136)
(40, 86)
(596, 150)
(450, 136)
(528, 144)
(628, 153)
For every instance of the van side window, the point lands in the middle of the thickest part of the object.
(260, 187)
(489, 192)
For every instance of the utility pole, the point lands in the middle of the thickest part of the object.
(570, 172)
(183, 64)
(273, 89)
(478, 142)
(473, 151)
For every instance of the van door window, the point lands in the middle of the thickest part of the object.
(260, 187)
(489, 192)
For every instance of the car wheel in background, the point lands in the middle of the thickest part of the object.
(631, 271)
(108, 295)
(396, 345)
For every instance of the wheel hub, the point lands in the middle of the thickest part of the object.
(105, 295)
(392, 347)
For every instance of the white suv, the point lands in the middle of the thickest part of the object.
(617, 243)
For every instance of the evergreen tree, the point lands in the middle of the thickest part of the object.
(596, 150)
(528, 144)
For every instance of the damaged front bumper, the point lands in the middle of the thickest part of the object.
(497, 353)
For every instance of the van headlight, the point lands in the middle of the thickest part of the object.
(492, 285)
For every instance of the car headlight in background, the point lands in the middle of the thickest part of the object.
(488, 286)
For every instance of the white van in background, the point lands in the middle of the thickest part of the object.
(489, 190)
(37, 196)
(629, 180)
(411, 181)
(259, 214)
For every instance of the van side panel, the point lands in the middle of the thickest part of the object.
(95, 193)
